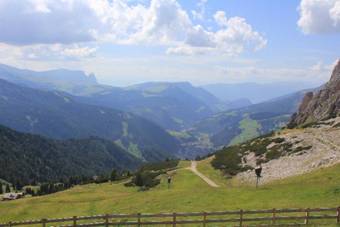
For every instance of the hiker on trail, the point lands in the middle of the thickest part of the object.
(258, 171)
(169, 181)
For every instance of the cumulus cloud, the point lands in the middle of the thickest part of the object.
(199, 14)
(234, 36)
(35, 22)
(319, 16)
(161, 22)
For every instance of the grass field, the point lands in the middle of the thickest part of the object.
(188, 193)
(249, 131)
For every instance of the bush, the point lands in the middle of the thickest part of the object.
(278, 140)
(146, 176)
(228, 160)
(146, 180)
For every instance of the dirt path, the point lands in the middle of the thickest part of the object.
(193, 168)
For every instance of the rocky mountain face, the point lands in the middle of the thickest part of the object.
(321, 105)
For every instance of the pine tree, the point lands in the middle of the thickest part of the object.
(8, 189)
(18, 186)
(113, 176)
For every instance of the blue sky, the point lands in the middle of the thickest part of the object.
(207, 41)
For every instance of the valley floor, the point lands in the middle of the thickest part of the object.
(188, 193)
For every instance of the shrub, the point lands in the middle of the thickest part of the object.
(228, 160)
(278, 140)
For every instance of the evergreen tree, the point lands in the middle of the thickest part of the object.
(29, 191)
(113, 175)
(8, 189)
(18, 186)
(139, 179)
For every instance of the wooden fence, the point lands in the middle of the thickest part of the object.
(272, 217)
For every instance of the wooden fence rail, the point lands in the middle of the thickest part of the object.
(275, 217)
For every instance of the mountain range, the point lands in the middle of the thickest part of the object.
(57, 115)
(150, 121)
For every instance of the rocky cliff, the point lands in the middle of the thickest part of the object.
(321, 105)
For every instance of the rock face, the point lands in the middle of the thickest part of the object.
(322, 105)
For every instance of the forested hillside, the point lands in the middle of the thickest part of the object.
(28, 158)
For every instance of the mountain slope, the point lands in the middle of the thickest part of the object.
(57, 115)
(239, 125)
(321, 105)
(28, 158)
(173, 106)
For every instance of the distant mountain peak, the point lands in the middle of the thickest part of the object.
(56, 79)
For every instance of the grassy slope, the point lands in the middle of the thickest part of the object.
(189, 193)
(249, 130)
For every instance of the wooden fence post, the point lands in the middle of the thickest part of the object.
(43, 221)
(74, 221)
(174, 220)
(307, 217)
(139, 220)
(204, 218)
(241, 218)
(106, 220)
(338, 215)
(274, 216)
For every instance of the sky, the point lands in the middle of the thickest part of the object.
(125, 42)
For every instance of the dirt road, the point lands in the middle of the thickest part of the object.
(193, 168)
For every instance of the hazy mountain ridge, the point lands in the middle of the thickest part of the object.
(255, 92)
(59, 79)
(57, 115)
(166, 104)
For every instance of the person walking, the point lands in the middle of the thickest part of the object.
(169, 181)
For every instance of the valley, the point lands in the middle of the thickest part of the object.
(188, 120)
(169, 113)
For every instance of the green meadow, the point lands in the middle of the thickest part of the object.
(188, 193)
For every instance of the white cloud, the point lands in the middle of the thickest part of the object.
(199, 14)
(234, 37)
(162, 22)
(221, 18)
(335, 13)
(319, 16)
